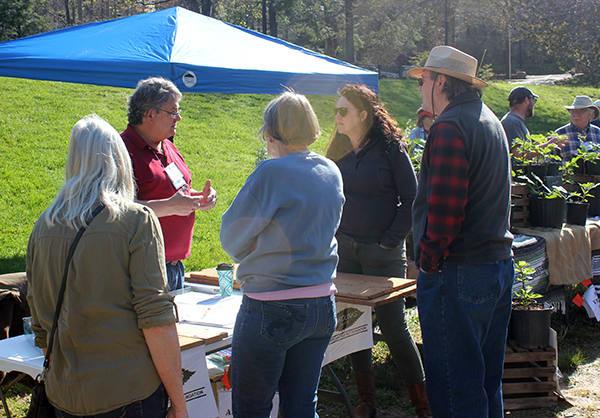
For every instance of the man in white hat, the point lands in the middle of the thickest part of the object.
(462, 240)
(521, 101)
(579, 130)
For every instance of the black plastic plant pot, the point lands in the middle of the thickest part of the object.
(537, 169)
(530, 328)
(547, 213)
(553, 168)
(579, 168)
(577, 213)
(594, 205)
(592, 168)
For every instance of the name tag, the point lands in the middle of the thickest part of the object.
(175, 176)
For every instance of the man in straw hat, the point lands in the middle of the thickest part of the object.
(579, 131)
(521, 101)
(462, 240)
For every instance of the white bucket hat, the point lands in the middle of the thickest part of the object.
(584, 102)
(450, 61)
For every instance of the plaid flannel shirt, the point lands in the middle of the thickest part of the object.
(447, 186)
(577, 137)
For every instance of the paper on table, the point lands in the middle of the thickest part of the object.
(201, 308)
(591, 302)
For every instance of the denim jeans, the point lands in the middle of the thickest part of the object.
(154, 406)
(369, 258)
(175, 275)
(464, 312)
(280, 344)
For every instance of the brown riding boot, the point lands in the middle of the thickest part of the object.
(418, 397)
(365, 385)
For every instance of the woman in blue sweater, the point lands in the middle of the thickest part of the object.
(280, 228)
(379, 186)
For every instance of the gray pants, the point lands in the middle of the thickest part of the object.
(370, 259)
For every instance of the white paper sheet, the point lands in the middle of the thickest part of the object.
(205, 309)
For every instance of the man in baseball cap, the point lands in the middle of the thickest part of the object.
(579, 130)
(521, 101)
(462, 240)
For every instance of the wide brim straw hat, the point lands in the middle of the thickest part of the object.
(584, 102)
(450, 61)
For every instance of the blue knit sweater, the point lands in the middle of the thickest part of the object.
(280, 227)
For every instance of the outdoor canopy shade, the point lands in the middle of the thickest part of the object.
(196, 52)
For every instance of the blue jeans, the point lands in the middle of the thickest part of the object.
(464, 312)
(280, 344)
(154, 406)
(175, 275)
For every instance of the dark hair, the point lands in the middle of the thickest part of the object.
(379, 126)
(454, 87)
(150, 93)
(515, 102)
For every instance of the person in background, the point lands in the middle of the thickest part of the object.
(521, 101)
(116, 352)
(596, 121)
(162, 176)
(579, 131)
(423, 124)
(379, 186)
(462, 240)
(280, 228)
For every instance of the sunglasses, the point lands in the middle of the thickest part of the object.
(420, 81)
(343, 111)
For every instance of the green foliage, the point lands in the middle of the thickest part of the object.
(486, 72)
(18, 18)
(525, 295)
(584, 194)
(419, 59)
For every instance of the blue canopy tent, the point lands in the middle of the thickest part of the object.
(198, 53)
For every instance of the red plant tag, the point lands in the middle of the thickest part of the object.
(586, 283)
(578, 300)
(225, 379)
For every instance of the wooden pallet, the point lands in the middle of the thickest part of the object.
(528, 379)
(520, 205)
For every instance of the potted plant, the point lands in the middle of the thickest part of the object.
(535, 154)
(546, 204)
(530, 320)
(577, 205)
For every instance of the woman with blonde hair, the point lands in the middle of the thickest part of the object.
(281, 230)
(115, 350)
(379, 186)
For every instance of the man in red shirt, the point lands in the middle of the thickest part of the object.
(162, 176)
(462, 240)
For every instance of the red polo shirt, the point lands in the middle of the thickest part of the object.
(154, 183)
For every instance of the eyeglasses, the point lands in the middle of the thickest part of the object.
(420, 81)
(174, 115)
(343, 111)
(579, 111)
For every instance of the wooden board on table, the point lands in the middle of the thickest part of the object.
(209, 277)
(191, 335)
(363, 287)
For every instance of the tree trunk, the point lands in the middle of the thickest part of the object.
(192, 5)
(272, 22)
(206, 7)
(67, 13)
(349, 6)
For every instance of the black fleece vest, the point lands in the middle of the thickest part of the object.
(484, 235)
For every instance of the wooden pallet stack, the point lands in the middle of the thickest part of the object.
(528, 379)
(520, 205)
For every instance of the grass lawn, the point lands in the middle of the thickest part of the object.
(217, 137)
